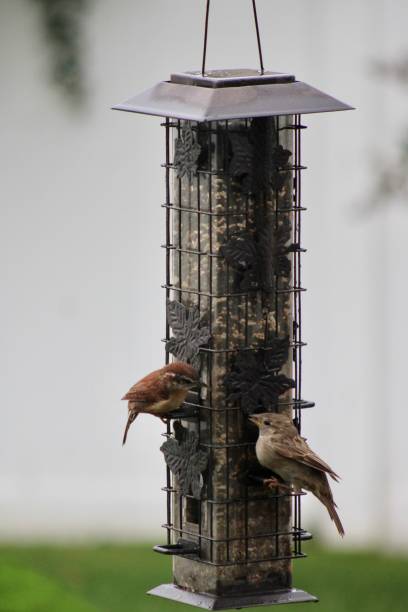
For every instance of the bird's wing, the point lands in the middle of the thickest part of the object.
(296, 448)
(139, 398)
(149, 390)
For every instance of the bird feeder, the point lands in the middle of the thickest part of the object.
(233, 208)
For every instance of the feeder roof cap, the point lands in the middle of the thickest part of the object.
(235, 77)
(231, 94)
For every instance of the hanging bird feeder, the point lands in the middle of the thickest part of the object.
(233, 208)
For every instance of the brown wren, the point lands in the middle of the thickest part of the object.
(161, 391)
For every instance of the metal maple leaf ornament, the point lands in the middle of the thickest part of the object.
(187, 153)
(248, 151)
(185, 459)
(260, 258)
(255, 379)
(189, 333)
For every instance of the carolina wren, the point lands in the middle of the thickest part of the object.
(161, 391)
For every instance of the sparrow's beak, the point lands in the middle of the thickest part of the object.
(253, 419)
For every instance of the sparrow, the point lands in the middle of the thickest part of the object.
(161, 391)
(281, 449)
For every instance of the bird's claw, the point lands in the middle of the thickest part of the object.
(273, 483)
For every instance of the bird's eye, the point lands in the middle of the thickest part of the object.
(267, 422)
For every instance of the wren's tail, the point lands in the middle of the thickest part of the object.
(132, 417)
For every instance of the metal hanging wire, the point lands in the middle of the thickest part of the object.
(258, 37)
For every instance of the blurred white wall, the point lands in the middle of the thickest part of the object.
(81, 264)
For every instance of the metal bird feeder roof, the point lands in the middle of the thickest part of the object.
(231, 94)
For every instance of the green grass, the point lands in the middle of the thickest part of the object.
(115, 579)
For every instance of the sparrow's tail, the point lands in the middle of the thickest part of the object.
(331, 509)
(324, 494)
(131, 418)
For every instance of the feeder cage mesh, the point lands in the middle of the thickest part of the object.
(233, 226)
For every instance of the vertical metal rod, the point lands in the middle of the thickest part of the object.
(258, 36)
(227, 346)
(168, 237)
(276, 127)
(207, 14)
(210, 357)
(299, 215)
(297, 305)
(299, 239)
(180, 220)
(168, 279)
(295, 311)
(180, 272)
(200, 503)
(247, 127)
(277, 206)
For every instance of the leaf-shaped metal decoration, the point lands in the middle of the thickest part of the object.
(242, 162)
(280, 157)
(255, 379)
(242, 254)
(241, 251)
(186, 460)
(261, 257)
(273, 250)
(281, 172)
(189, 333)
(187, 152)
(276, 353)
(257, 162)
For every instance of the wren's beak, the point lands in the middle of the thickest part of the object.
(201, 384)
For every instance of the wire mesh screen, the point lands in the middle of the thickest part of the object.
(233, 253)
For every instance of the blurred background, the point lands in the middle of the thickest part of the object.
(81, 267)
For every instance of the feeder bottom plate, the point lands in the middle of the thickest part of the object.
(214, 602)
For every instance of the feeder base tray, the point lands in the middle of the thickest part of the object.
(228, 602)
